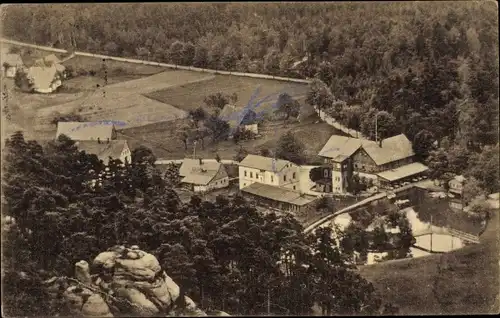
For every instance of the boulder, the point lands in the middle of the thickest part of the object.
(96, 306)
(125, 281)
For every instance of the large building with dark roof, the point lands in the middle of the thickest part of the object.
(388, 161)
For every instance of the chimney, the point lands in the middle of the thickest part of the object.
(98, 140)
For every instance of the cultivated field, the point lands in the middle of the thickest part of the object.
(190, 96)
(125, 102)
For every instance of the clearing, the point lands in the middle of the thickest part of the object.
(163, 139)
(190, 96)
(464, 281)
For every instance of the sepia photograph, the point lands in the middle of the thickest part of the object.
(164, 159)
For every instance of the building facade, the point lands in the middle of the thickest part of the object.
(387, 162)
(276, 172)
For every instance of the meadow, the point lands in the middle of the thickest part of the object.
(191, 96)
(464, 281)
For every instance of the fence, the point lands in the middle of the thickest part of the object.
(174, 66)
(179, 161)
(334, 123)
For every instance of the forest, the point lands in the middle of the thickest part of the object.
(425, 69)
(224, 254)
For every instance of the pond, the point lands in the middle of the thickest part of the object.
(421, 216)
(436, 242)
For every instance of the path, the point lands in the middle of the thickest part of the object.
(137, 61)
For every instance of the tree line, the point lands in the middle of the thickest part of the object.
(65, 205)
(425, 69)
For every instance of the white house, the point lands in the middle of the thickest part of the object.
(45, 79)
(200, 176)
(270, 171)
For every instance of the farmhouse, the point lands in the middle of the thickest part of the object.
(87, 130)
(245, 119)
(388, 162)
(44, 79)
(200, 176)
(11, 63)
(104, 150)
(270, 171)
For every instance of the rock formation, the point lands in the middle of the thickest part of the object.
(124, 281)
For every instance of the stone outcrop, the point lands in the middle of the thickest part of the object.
(124, 281)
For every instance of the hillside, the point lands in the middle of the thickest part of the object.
(431, 67)
(464, 281)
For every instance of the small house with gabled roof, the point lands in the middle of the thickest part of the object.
(239, 118)
(11, 63)
(203, 176)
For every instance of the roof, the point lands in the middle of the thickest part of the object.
(340, 148)
(278, 194)
(52, 58)
(195, 173)
(85, 130)
(264, 163)
(236, 117)
(189, 165)
(104, 149)
(403, 171)
(12, 59)
(394, 148)
(42, 76)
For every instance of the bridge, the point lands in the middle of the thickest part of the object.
(447, 231)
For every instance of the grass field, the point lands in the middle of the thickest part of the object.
(465, 281)
(124, 101)
(162, 139)
(190, 96)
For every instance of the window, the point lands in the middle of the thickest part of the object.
(251, 174)
(326, 173)
(256, 175)
(245, 173)
(272, 179)
(284, 178)
(294, 187)
(244, 184)
(293, 176)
